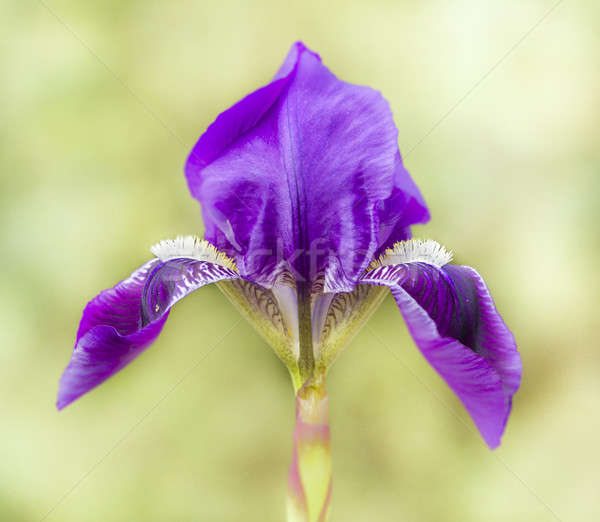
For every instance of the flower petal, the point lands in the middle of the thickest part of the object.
(119, 323)
(454, 322)
(304, 170)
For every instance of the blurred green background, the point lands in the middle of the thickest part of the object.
(100, 103)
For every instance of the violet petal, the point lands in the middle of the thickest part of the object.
(454, 322)
(119, 323)
(305, 169)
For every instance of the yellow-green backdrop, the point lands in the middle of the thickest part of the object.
(498, 109)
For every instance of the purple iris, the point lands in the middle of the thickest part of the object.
(308, 208)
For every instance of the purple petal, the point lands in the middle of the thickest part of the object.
(119, 323)
(454, 322)
(307, 170)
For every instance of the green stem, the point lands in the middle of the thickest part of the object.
(306, 359)
(309, 482)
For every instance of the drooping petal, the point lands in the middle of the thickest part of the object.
(119, 323)
(454, 322)
(305, 170)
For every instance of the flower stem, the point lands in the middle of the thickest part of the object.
(309, 480)
(306, 359)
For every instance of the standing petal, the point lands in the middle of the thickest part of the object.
(119, 323)
(454, 322)
(266, 169)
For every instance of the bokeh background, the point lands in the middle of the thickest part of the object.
(100, 103)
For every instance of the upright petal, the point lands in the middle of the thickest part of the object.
(305, 170)
(454, 322)
(119, 323)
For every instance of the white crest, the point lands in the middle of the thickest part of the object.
(191, 247)
(415, 251)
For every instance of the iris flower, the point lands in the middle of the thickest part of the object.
(307, 209)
